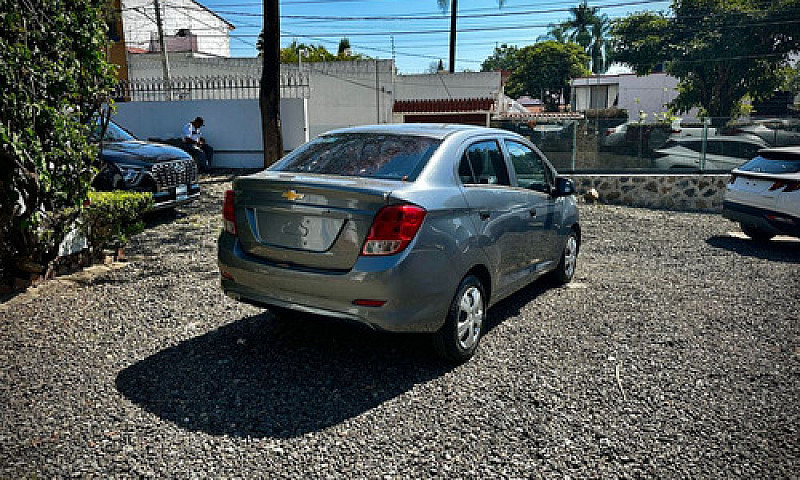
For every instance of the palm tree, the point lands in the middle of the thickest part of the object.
(453, 5)
(600, 45)
(588, 29)
(557, 32)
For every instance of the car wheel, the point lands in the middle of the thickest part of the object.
(756, 234)
(569, 260)
(458, 339)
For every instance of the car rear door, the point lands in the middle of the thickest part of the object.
(535, 180)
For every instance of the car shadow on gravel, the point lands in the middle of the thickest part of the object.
(285, 376)
(265, 377)
(775, 250)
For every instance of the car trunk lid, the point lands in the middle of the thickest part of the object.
(306, 220)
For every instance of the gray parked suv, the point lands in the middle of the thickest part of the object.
(403, 228)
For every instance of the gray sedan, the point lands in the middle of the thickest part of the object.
(403, 228)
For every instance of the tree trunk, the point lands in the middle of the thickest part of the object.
(453, 16)
(270, 92)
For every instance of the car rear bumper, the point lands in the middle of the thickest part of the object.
(778, 223)
(417, 295)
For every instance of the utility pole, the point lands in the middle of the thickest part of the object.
(453, 15)
(377, 92)
(164, 59)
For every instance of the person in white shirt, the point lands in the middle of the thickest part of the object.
(195, 144)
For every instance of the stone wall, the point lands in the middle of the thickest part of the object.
(679, 192)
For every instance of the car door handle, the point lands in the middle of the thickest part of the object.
(532, 211)
(484, 215)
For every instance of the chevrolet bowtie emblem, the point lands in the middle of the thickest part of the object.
(291, 195)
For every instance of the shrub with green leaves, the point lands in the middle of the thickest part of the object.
(112, 217)
(54, 77)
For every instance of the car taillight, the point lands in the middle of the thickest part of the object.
(732, 180)
(777, 185)
(229, 213)
(609, 131)
(792, 186)
(786, 185)
(393, 228)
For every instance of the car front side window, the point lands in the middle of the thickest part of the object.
(531, 170)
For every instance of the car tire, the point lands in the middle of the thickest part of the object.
(458, 338)
(756, 234)
(569, 259)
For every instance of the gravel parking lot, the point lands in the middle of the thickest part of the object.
(674, 354)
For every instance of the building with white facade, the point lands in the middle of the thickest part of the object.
(647, 95)
(188, 27)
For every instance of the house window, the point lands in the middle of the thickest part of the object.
(598, 97)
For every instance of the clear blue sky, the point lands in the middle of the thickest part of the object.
(420, 34)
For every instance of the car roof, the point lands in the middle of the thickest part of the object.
(435, 130)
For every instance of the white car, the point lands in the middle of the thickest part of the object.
(722, 152)
(763, 195)
(776, 132)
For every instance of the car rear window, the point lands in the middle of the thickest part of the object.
(762, 164)
(394, 157)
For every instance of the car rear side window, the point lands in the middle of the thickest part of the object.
(762, 164)
(483, 163)
(394, 157)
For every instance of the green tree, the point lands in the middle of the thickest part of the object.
(504, 58)
(313, 53)
(545, 69)
(720, 50)
(54, 78)
(344, 48)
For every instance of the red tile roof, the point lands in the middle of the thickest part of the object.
(444, 105)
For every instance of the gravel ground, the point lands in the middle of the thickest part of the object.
(675, 353)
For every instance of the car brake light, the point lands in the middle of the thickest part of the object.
(393, 228)
(365, 302)
(229, 213)
(792, 187)
(777, 185)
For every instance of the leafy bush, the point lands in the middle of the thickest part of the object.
(54, 78)
(112, 217)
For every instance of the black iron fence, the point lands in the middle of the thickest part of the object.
(293, 85)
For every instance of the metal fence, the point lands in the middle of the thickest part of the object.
(595, 145)
(293, 85)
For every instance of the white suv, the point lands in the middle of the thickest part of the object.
(763, 195)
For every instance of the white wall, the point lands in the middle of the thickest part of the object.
(232, 127)
(443, 86)
(342, 94)
(345, 94)
(138, 21)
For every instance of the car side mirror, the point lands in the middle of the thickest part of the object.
(564, 187)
